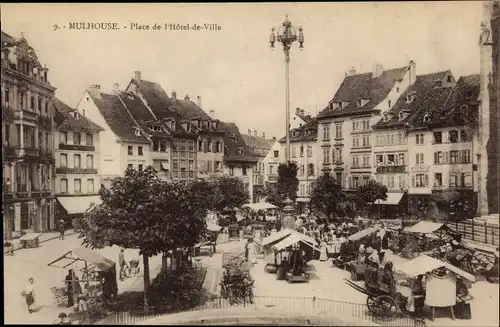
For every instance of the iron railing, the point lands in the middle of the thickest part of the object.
(300, 304)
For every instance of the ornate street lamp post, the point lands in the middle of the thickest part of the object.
(287, 34)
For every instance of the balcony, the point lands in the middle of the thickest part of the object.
(45, 122)
(9, 151)
(390, 169)
(46, 155)
(7, 113)
(26, 114)
(75, 170)
(76, 147)
(27, 152)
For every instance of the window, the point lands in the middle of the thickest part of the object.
(326, 156)
(453, 136)
(163, 146)
(466, 156)
(467, 179)
(419, 139)
(438, 137)
(379, 159)
(340, 105)
(390, 183)
(464, 111)
(402, 182)
(366, 161)
(244, 170)
(438, 179)
(78, 161)
(218, 147)
(464, 136)
(366, 141)
(355, 162)
(32, 103)
(139, 151)
(139, 167)
(130, 150)
(240, 151)
(200, 145)
(401, 159)
(421, 180)
(271, 169)
(438, 158)
(448, 79)
(276, 153)
(397, 90)
(309, 151)
(90, 161)
(64, 185)
(89, 139)
(419, 158)
(310, 171)
(130, 166)
(77, 138)
(302, 170)
(326, 132)
(355, 182)
(293, 152)
(355, 142)
(78, 185)
(63, 137)
(453, 156)
(90, 186)
(390, 159)
(389, 103)
(7, 97)
(453, 179)
(209, 146)
(339, 156)
(338, 131)
(64, 160)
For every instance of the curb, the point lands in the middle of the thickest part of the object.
(19, 247)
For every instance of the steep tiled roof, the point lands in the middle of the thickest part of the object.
(466, 92)
(305, 118)
(66, 121)
(233, 141)
(256, 142)
(423, 84)
(6, 38)
(306, 133)
(431, 104)
(157, 99)
(116, 117)
(363, 86)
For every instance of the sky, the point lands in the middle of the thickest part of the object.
(233, 69)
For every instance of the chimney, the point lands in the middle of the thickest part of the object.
(297, 111)
(413, 72)
(255, 133)
(274, 138)
(263, 135)
(186, 97)
(116, 87)
(250, 132)
(198, 100)
(95, 90)
(302, 112)
(379, 69)
(352, 71)
(137, 75)
(174, 95)
(212, 112)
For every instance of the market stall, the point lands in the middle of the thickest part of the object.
(98, 276)
(30, 240)
(441, 279)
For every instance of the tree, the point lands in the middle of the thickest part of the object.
(326, 195)
(273, 196)
(372, 191)
(140, 211)
(288, 183)
(228, 192)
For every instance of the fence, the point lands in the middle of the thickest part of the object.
(301, 305)
(478, 232)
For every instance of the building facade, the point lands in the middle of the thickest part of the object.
(238, 159)
(259, 146)
(345, 136)
(77, 159)
(27, 133)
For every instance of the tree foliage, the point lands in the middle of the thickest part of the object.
(273, 195)
(227, 191)
(326, 195)
(286, 186)
(372, 191)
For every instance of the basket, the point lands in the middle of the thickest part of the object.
(134, 263)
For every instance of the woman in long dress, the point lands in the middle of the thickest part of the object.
(29, 294)
(324, 252)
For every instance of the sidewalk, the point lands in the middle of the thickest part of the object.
(48, 236)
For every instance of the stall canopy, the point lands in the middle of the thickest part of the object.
(362, 233)
(392, 198)
(291, 240)
(211, 227)
(91, 257)
(426, 227)
(260, 206)
(424, 264)
(284, 233)
(78, 204)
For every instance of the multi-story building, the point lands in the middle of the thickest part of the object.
(77, 159)
(27, 133)
(274, 157)
(124, 143)
(304, 152)
(259, 147)
(488, 140)
(392, 153)
(344, 127)
(238, 159)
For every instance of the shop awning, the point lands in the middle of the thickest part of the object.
(260, 206)
(164, 165)
(424, 264)
(78, 204)
(291, 240)
(392, 198)
(361, 234)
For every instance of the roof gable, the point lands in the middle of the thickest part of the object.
(66, 120)
(233, 143)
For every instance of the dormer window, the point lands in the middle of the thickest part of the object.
(464, 111)
(75, 114)
(401, 115)
(131, 96)
(426, 118)
(385, 118)
(340, 105)
(330, 106)
(359, 103)
(449, 79)
(439, 83)
(158, 128)
(410, 97)
(137, 131)
(172, 126)
(240, 151)
(468, 95)
(294, 133)
(233, 137)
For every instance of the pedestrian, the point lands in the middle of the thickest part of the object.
(61, 227)
(123, 263)
(29, 294)
(418, 295)
(73, 287)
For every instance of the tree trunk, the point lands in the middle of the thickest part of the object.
(145, 260)
(164, 261)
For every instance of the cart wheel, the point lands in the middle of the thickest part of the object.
(387, 305)
(371, 303)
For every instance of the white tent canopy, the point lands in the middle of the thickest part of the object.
(213, 227)
(424, 264)
(291, 240)
(260, 206)
(424, 227)
(284, 233)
